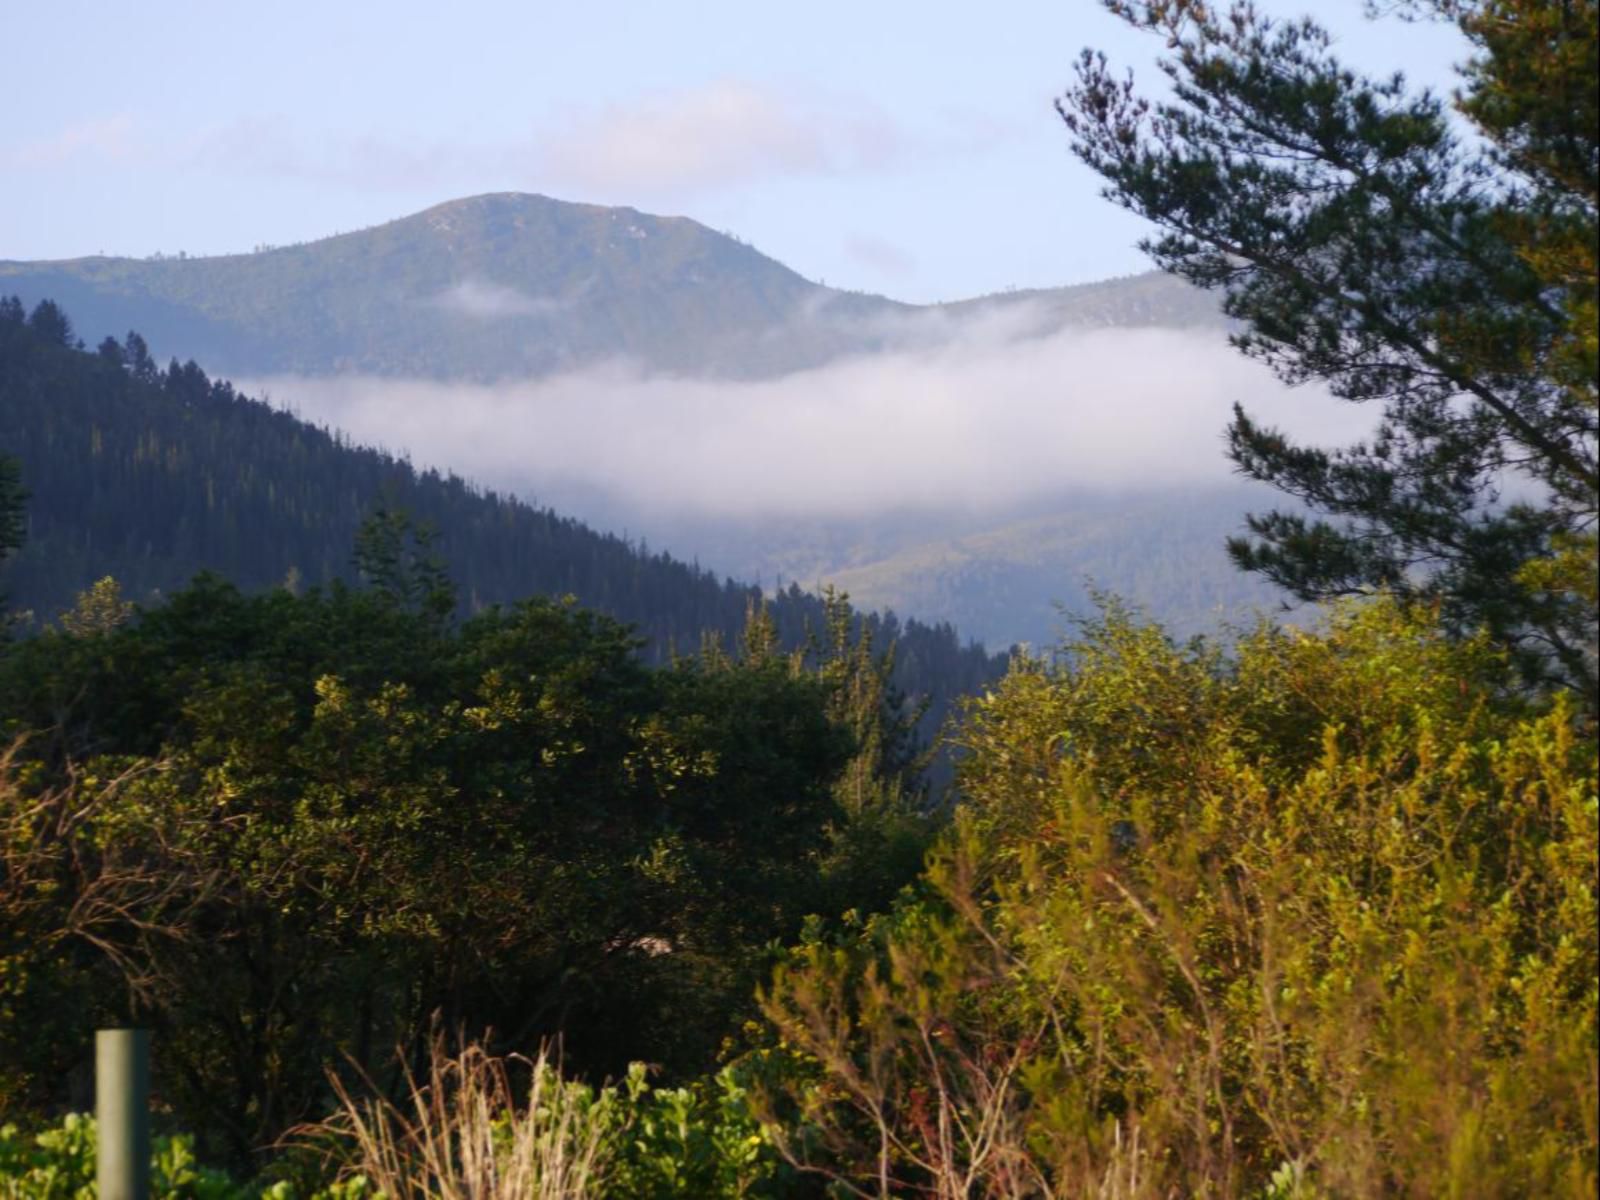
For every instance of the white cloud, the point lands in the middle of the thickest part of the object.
(724, 132)
(483, 300)
(658, 146)
(986, 418)
(113, 138)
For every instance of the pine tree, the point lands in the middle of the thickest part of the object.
(1364, 244)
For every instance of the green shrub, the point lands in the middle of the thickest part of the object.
(473, 1128)
(58, 1163)
(1317, 919)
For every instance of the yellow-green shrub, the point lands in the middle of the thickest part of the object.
(1315, 920)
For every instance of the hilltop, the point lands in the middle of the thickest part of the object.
(511, 285)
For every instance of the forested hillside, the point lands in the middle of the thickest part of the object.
(438, 847)
(151, 475)
(512, 286)
(488, 287)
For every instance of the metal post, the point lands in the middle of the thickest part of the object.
(122, 1113)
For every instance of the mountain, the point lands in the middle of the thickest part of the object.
(153, 475)
(514, 286)
(1017, 581)
(1013, 577)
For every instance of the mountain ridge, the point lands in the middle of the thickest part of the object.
(517, 285)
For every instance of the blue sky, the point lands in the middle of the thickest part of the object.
(902, 148)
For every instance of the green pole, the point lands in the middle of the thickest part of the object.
(122, 1113)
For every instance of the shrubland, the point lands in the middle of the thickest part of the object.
(1311, 916)
(430, 908)
(1316, 918)
(292, 833)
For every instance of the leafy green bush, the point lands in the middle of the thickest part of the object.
(58, 1163)
(509, 825)
(1317, 919)
(699, 1140)
(481, 1126)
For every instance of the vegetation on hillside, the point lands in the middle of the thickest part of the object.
(428, 905)
(509, 286)
(489, 287)
(1317, 919)
(151, 474)
(294, 832)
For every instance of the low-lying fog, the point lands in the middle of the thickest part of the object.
(983, 422)
(857, 462)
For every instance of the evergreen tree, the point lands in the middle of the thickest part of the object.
(396, 556)
(13, 498)
(1364, 244)
(152, 475)
(50, 323)
(13, 524)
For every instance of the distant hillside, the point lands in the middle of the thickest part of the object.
(1012, 576)
(513, 285)
(153, 475)
(1018, 581)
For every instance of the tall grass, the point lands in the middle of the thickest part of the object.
(464, 1135)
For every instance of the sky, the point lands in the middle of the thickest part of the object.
(909, 149)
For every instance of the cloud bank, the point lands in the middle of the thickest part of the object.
(660, 144)
(985, 419)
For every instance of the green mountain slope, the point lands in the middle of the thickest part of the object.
(515, 286)
(511, 286)
(488, 287)
(1014, 576)
(152, 476)
(1019, 581)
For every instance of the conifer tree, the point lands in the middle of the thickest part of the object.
(1363, 243)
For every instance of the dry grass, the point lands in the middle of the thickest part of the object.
(463, 1136)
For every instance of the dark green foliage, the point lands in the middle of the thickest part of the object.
(396, 558)
(50, 324)
(1364, 244)
(283, 830)
(151, 476)
(13, 509)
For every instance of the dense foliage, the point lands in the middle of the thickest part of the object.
(476, 1127)
(420, 905)
(151, 475)
(1314, 921)
(1365, 242)
(293, 832)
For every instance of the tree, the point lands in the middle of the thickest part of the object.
(1315, 918)
(1364, 243)
(13, 511)
(13, 502)
(50, 323)
(395, 555)
(100, 608)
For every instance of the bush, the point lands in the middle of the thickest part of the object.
(482, 1126)
(58, 1163)
(1316, 920)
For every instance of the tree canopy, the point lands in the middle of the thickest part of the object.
(1367, 242)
